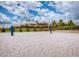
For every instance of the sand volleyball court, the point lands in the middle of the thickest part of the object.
(39, 44)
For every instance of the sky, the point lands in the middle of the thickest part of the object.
(22, 12)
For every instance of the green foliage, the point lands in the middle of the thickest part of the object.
(20, 30)
(62, 26)
(54, 24)
(34, 29)
(27, 30)
(61, 23)
(70, 25)
(3, 30)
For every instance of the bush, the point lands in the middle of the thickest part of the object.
(27, 30)
(20, 30)
(3, 30)
(34, 29)
(7, 30)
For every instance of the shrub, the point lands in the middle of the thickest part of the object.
(27, 30)
(3, 30)
(34, 29)
(20, 30)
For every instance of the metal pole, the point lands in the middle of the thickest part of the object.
(50, 26)
(12, 29)
(3, 26)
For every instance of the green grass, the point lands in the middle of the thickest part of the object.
(40, 29)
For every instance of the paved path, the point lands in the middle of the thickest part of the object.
(39, 44)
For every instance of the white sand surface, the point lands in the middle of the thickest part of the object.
(39, 44)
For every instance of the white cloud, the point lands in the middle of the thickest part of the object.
(21, 10)
(15, 17)
(3, 17)
(5, 20)
(69, 8)
(30, 4)
(42, 12)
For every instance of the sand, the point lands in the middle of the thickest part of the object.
(39, 44)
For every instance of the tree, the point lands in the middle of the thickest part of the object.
(3, 30)
(54, 24)
(61, 24)
(71, 24)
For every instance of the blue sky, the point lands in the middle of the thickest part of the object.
(5, 11)
(43, 11)
(35, 13)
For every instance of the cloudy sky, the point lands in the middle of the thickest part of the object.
(22, 12)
